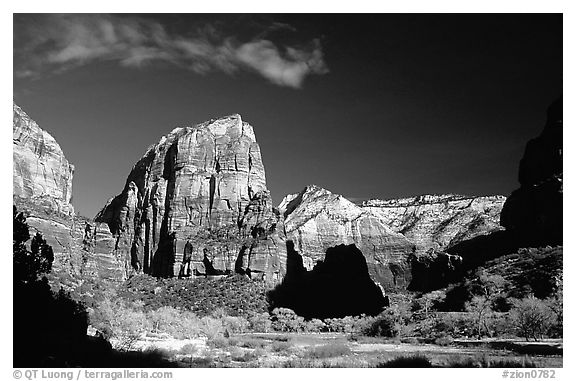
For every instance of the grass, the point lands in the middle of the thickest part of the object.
(410, 361)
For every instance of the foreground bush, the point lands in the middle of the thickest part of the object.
(415, 361)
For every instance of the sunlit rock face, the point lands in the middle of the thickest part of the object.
(533, 213)
(42, 189)
(316, 220)
(196, 203)
(439, 221)
(40, 170)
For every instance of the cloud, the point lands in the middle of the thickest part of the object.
(55, 43)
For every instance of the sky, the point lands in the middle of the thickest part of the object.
(364, 105)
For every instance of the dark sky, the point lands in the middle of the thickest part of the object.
(367, 106)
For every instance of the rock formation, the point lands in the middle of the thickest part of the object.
(40, 171)
(337, 286)
(439, 221)
(42, 188)
(316, 220)
(196, 203)
(533, 213)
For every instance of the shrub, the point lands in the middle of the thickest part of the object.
(121, 320)
(328, 350)
(188, 349)
(286, 320)
(444, 340)
(280, 346)
(314, 325)
(260, 322)
(211, 327)
(240, 355)
(415, 361)
(235, 324)
(385, 325)
(218, 342)
(532, 317)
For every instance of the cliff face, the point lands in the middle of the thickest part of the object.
(40, 170)
(439, 221)
(196, 203)
(42, 189)
(533, 213)
(316, 219)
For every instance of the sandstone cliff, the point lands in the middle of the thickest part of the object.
(533, 213)
(40, 170)
(439, 221)
(42, 189)
(196, 203)
(316, 219)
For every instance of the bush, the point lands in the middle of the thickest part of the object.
(384, 325)
(260, 322)
(314, 325)
(188, 349)
(120, 320)
(328, 350)
(280, 346)
(286, 320)
(218, 342)
(211, 327)
(532, 317)
(444, 341)
(235, 324)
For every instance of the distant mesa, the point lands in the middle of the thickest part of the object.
(439, 221)
(196, 204)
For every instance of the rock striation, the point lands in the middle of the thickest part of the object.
(196, 203)
(533, 213)
(439, 221)
(42, 189)
(316, 220)
(40, 170)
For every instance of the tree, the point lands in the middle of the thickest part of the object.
(489, 288)
(54, 322)
(29, 265)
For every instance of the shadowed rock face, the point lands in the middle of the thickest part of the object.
(337, 286)
(533, 213)
(42, 179)
(196, 203)
(439, 221)
(316, 219)
(40, 170)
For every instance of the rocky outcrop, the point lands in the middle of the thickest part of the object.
(42, 189)
(196, 203)
(40, 170)
(439, 221)
(316, 220)
(338, 286)
(533, 213)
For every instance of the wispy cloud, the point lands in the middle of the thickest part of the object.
(61, 42)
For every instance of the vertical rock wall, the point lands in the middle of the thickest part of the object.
(196, 203)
